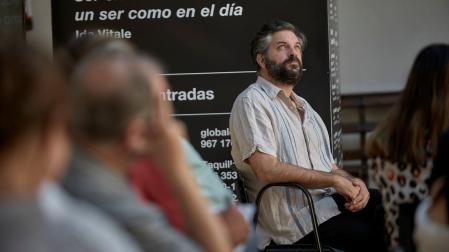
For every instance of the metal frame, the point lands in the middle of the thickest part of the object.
(309, 201)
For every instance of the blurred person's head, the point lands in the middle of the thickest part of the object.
(276, 50)
(422, 112)
(33, 139)
(112, 98)
(70, 54)
(432, 216)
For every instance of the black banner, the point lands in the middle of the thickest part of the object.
(205, 48)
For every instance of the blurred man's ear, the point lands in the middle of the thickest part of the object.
(136, 136)
(260, 59)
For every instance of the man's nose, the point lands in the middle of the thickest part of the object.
(295, 53)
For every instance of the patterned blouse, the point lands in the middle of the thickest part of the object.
(399, 183)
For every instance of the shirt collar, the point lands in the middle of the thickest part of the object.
(269, 88)
(273, 91)
(300, 104)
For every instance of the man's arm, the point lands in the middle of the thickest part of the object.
(200, 220)
(269, 170)
(204, 227)
(219, 198)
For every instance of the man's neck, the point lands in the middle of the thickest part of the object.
(287, 88)
(113, 155)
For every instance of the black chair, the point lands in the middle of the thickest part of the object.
(290, 247)
(294, 247)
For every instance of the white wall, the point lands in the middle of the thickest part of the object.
(380, 38)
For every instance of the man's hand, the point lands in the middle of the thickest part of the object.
(360, 201)
(362, 198)
(237, 226)
(346, 188)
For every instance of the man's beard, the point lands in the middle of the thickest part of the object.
(280, 72)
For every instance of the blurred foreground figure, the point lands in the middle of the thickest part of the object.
(116, 120)
(145, 175)
(405, 142)
(32, 142)
(432, 215)
(34, 148)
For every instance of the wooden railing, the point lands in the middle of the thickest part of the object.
(361, 105)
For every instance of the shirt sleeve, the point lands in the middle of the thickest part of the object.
(210, 185)
(252, 128)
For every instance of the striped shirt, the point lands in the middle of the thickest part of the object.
(264, 119)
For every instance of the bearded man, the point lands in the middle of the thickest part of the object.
(278, 137)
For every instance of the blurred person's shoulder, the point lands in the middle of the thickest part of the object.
(23, 227)
(82, 222)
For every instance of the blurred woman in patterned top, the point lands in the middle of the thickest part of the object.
(403, 145)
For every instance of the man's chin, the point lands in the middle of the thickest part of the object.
(291, 82)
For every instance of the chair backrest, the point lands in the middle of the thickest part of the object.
(242, 196)
(309, 202)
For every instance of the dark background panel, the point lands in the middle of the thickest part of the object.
(199, 126)
(213, 44)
